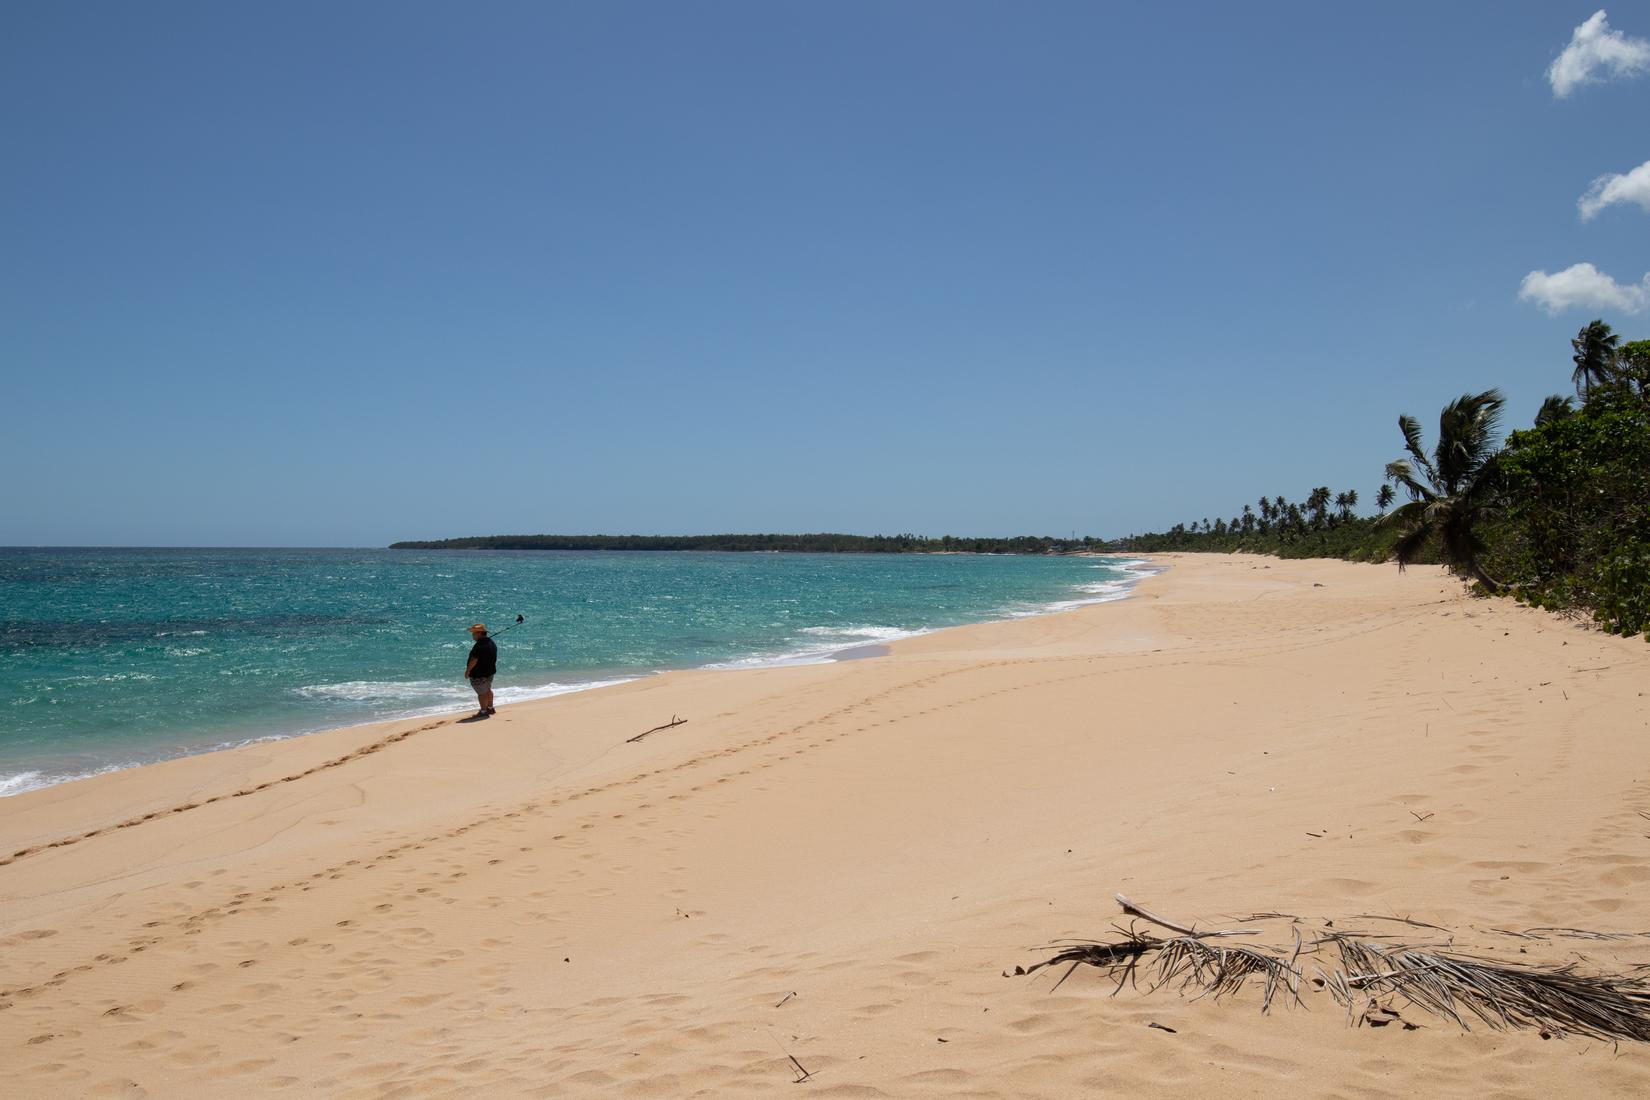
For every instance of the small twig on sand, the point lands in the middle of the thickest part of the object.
(1402, 920)
(1419, 817)
(1587, 934)
(802, 1074)
(674, 721)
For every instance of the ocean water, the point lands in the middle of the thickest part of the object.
(111, 658)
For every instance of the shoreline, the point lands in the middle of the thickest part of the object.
(854, 856)
(26, 780)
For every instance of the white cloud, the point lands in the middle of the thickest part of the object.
(1633, 187)
(1583, 286)
(1595, 49)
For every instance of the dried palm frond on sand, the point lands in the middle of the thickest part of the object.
(1186, 960)
(1557, 1000)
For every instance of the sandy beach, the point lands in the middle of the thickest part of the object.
(836, 864)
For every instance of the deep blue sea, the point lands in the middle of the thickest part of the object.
(111, 657)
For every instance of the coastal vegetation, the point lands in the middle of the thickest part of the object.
(1450, 493)
(1556, 514)
(791, 544)
(1572, 521)
(1322, 525)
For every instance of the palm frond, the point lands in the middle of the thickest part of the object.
(1185, 962)
(1219, 969)
(1468, 433)
(1407, 514)
(1557, 407)
(1556, 1000)
(1399, 472)
(1408, 547)
(1411, 428)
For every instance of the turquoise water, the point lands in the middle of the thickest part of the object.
(111, 658)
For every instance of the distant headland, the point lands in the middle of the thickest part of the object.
(790, 544)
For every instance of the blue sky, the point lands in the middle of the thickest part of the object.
(337, 274)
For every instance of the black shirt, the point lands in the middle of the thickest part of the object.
(485, 654)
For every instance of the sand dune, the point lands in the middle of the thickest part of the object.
(836, 864)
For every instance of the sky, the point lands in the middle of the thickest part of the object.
(335, 274)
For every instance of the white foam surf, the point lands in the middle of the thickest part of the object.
(833, 641)
(1107, 591)
(417, 698)
(19, 782)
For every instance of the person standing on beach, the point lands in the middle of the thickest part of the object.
(483, 664)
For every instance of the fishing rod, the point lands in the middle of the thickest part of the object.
(519, 620)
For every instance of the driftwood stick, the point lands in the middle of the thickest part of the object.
(674, 721)
(1134, 910)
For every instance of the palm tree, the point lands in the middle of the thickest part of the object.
(1384, 498)
(1556, 407)
(1595, 357)
(1449, 492)
(1280, 512)
(1345, 502)
(1318, 504)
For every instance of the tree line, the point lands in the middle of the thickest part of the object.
(1322, 524)
(1556, 514)
(790, 544)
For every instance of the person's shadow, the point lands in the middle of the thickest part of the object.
(472, 718)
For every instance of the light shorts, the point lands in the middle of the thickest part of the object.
(481, 684)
